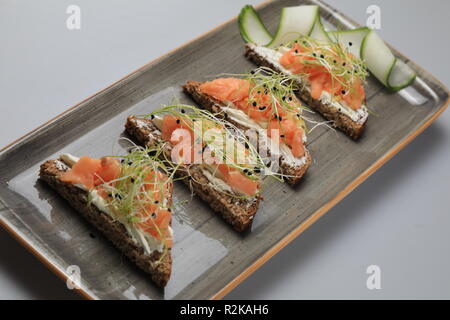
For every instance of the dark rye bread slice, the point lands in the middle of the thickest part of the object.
(207, 102)
(114, 231)
(236, 211)
(340, 120)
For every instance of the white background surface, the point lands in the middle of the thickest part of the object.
(399, 219)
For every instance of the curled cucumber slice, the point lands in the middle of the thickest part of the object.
(351, 39)
(318, 31)
(401, 76)
(363, 43)
(252, 28)
(391, 71)
(294, 22)
(377, 56)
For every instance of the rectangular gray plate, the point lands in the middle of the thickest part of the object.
(209, 257)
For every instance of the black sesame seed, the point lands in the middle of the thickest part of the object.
(130, 163)
(132, 180)
(252, 72)
(152, 116)
(110, 195)
(284, 98)
(122, 161)
(322, 56)
(156, 201)
(282, 136)
(183, 111)
(247, 146)
(350, 44)
(343, 64)
(170, 210)
(257, 170)
(314, 55)
(296, 51)
(254, 103)
(262, 108)
(343, 91)
(178, 121)
(280, 118)
(153, 215)
(118, 196)
(259, 91)
(334, 61)
(290, 99)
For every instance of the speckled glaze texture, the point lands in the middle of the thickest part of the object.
(209, 258)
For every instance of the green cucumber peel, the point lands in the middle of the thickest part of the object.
(318, 30)
(355, 37)
(252, 28)
(305, 20)
(387, 68)
(377, 56)
(294, 22)
(400, 76)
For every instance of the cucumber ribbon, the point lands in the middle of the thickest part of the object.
(363, 43)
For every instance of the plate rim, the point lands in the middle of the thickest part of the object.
(22, 240)
(326, 207)
(83, 292)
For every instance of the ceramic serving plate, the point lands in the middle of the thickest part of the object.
(209, 257)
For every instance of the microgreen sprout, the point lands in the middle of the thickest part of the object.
(280, 88)
(141, 197)
(232, 139)
(343, 67)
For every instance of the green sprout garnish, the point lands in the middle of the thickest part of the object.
(231, 139)
(343, 67)
(280, 88)
(144, 185)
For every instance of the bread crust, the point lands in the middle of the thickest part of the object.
(207, 102)
(238, 212)
(340, 120)
(159, 271)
